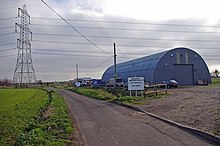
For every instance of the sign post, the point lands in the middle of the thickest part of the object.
(135, 83)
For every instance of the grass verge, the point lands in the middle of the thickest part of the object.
(115, 95)
(95, 93)
(215, 81)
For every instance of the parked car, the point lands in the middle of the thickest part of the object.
(98, 83)
(171, 83)
(78, 84)
(119, 82)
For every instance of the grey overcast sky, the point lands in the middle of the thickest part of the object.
(139, 28)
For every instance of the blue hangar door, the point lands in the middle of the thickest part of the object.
(183, 74)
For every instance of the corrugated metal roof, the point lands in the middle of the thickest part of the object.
(144, 66)
(171, 64)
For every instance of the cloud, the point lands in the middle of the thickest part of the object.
(163, 10)
(93, 60)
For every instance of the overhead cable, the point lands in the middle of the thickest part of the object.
(124, 45)
(3, 56)
(158, 39)
(8, 18)
(5, 44)
(72, 26)
(6, 27)
(130, 22)
(7, 33)
(7, 49)
(59, 54)
(128, 29)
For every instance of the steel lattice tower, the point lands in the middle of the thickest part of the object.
(24, 70)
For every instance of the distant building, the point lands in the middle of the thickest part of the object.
(181, 64)
(84, 81)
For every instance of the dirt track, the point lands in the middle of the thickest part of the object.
(193, 106)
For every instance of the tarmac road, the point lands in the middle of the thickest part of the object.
(105, 124)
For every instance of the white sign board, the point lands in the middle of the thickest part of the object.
(136, 83)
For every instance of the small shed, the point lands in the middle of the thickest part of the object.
(181, 64)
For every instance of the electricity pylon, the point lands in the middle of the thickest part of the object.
(24, 70)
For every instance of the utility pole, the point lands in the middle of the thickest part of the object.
(77, 71)
(115, 72)
(24, 70)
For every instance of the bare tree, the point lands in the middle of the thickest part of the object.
(5, 82)
(216, 73)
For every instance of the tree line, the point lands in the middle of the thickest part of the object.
(5, 82)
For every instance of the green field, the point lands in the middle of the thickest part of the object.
(31, 117)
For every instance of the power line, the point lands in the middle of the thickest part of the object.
(87, 52)
(212, 59)
(71, 55)
(8, 7)
(103, 62)
(65, 50)
(4, 56)
(136, 38)
(57, 42)
(130, 29)
(129, 22)
(49, 25)
(123, 45)
(6, 27)
(210, 55)
(73, 51)
(73, 26)
(103, 32)
(5, 44)
(9, 33)
(54, 34)
(89, 12)
(59, 54)
(149, 39)
(8, 18)
(77, 55)
(7, 49)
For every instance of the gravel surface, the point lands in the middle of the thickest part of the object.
(193, 106)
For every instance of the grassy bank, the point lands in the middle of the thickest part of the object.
(31, 117)
(95, 93)
(215, 81)
(115, 95)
